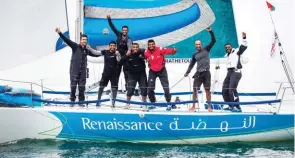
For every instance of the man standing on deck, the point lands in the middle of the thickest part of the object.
(234, 74)
(136, 73)
(111, 58)
(78, 65)
(203, 75)
(124, 45)
(156, 60)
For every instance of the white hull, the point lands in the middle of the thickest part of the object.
(40, 123)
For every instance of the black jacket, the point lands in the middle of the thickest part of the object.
(79, 56)
(136, 62)
(110, 62)
(123, 45)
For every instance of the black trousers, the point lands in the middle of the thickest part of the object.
(163, 76)
(125, 71)
(141, 79)
(229, 87)
(106, 77)
(79, 80)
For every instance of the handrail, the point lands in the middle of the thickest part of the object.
(178, 93)
(158, 93)
(69, 102)
(95, 92)
(63, 92)
(249, 94)
(173, 93)
(20, 81)
(246, 103)
(161, 104)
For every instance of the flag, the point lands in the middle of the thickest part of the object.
(274, 43)
(270, 7)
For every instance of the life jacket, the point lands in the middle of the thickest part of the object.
(78, 60)
(122, 44)
(136, 62)
(110, 61)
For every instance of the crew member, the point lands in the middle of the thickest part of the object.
(111, 58)
(156, 61)
(78, 67)
(124, 45)
(136, 73)
(203, 75)
(234, 74)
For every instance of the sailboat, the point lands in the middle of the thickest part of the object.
(40, 110)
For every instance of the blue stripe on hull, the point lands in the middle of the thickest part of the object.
(140, 28)
(131, 4)
(153, 127)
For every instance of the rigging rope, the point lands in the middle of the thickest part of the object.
(172, 86)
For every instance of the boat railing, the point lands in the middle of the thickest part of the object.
(280, 88)
(29, 85)
(283, 95)
(282, 91)
(25, 82)
(50, 91)
(6, 80)
(161, 104)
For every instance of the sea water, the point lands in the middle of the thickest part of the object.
(31, 148)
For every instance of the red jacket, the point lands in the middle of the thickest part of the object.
(156, 59)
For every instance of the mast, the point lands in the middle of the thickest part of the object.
(79, 20)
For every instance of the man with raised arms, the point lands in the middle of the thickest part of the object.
(203, 75)
(111, 58)
(124, 45)
(234, 74)
(136, 72)
(156, 60)
(78, 65)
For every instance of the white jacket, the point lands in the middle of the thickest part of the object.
(233, 57)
